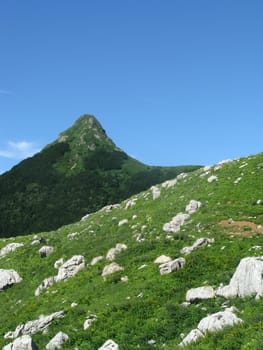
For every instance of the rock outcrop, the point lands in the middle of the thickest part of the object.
(111, 268)
(8, 278)
(200, 293)
(156, 192)
(70, 268)
(109, 345)
(193, 206)
(212, 323)
(34, 326)
(171, 266)
(48, 282)
(175, 224)
(11, 247)
(116, 250)
(45, 251)
(200, 242)
(56, 343)
(22, 343)
(246, 281)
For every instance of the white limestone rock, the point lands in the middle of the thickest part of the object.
(200, 242)
(95, 260)
(191, 337)
(89, 321)
(109, 345)
(57, 341)
(45, 284)
(110, 207)
(156, 192)
(34, 326)
(193, 206)
(73, 235)
(116, 250)
(58, 263)
(130, 203)
(162, 259)
(24, 342)
(169, 183)
(175, 224)
(212, 178)
(246, 281)
(218, 321)
(8, 278)
(11, 247)
(171, 266)
(123, 222)
(70, 268)
(45, 251)
(200, 293)
(111, 268)
(85, 217)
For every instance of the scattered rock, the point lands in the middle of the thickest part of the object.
(162, 259)
(123, 222)
(200, 293)
(156, 192)
(169, 183)
(246, 281)
(114, 251)
(72, 235)
(70, 268)
(124, 279)
(11, 247)
(130, 203)
(212, 323)
(111, 268)
(175, 224)
(58, 263)
(48, 282)
(8, 278)
(45, 251)
(85, 217)
(37, 240)
(171, 266)
(110, 207)
(95, 260)
(193, 206)
(59, 339)
(212, 178)
(109, 345)
(22, 343)
(200, 242)
(89, 321)
(35, 326)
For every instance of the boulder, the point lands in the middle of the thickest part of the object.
(156, 192)
(111, 268)
(89, 321)
(212, 178)
(200, 242)
(171, 266)
(200, 293)
(212, 323)
(11, 247)
(56, 343)
(45, 251)
(175, 224)
(191, 337)
(58, 263)
(70, 268)
(246, 281)
(34, 326)
(95, 260)
(123, 222)
(193, 206)
(114, 251)
(162, 259)
(8, 278)
(22, 343)
(109, 345)
(37, 240)
(48, 282)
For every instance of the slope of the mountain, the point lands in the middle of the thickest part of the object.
(80, 172)
(206, 222)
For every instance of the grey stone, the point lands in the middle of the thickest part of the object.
(109, 345)
(171, 266)
(56, 343)
(8, 278)
(24, 342)
(11, 247)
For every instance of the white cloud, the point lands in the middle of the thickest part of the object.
(19, 150)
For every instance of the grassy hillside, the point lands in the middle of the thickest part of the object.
(146, 311)
(80, 172)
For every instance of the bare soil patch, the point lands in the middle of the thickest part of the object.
(242, 228)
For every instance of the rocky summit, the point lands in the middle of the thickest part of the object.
(179, 265)
(79, 173)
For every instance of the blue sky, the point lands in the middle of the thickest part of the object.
(172, 81)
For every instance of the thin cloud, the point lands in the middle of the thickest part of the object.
(19, 150)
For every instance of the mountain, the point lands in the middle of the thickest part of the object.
(208, 223)
(79, 173)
